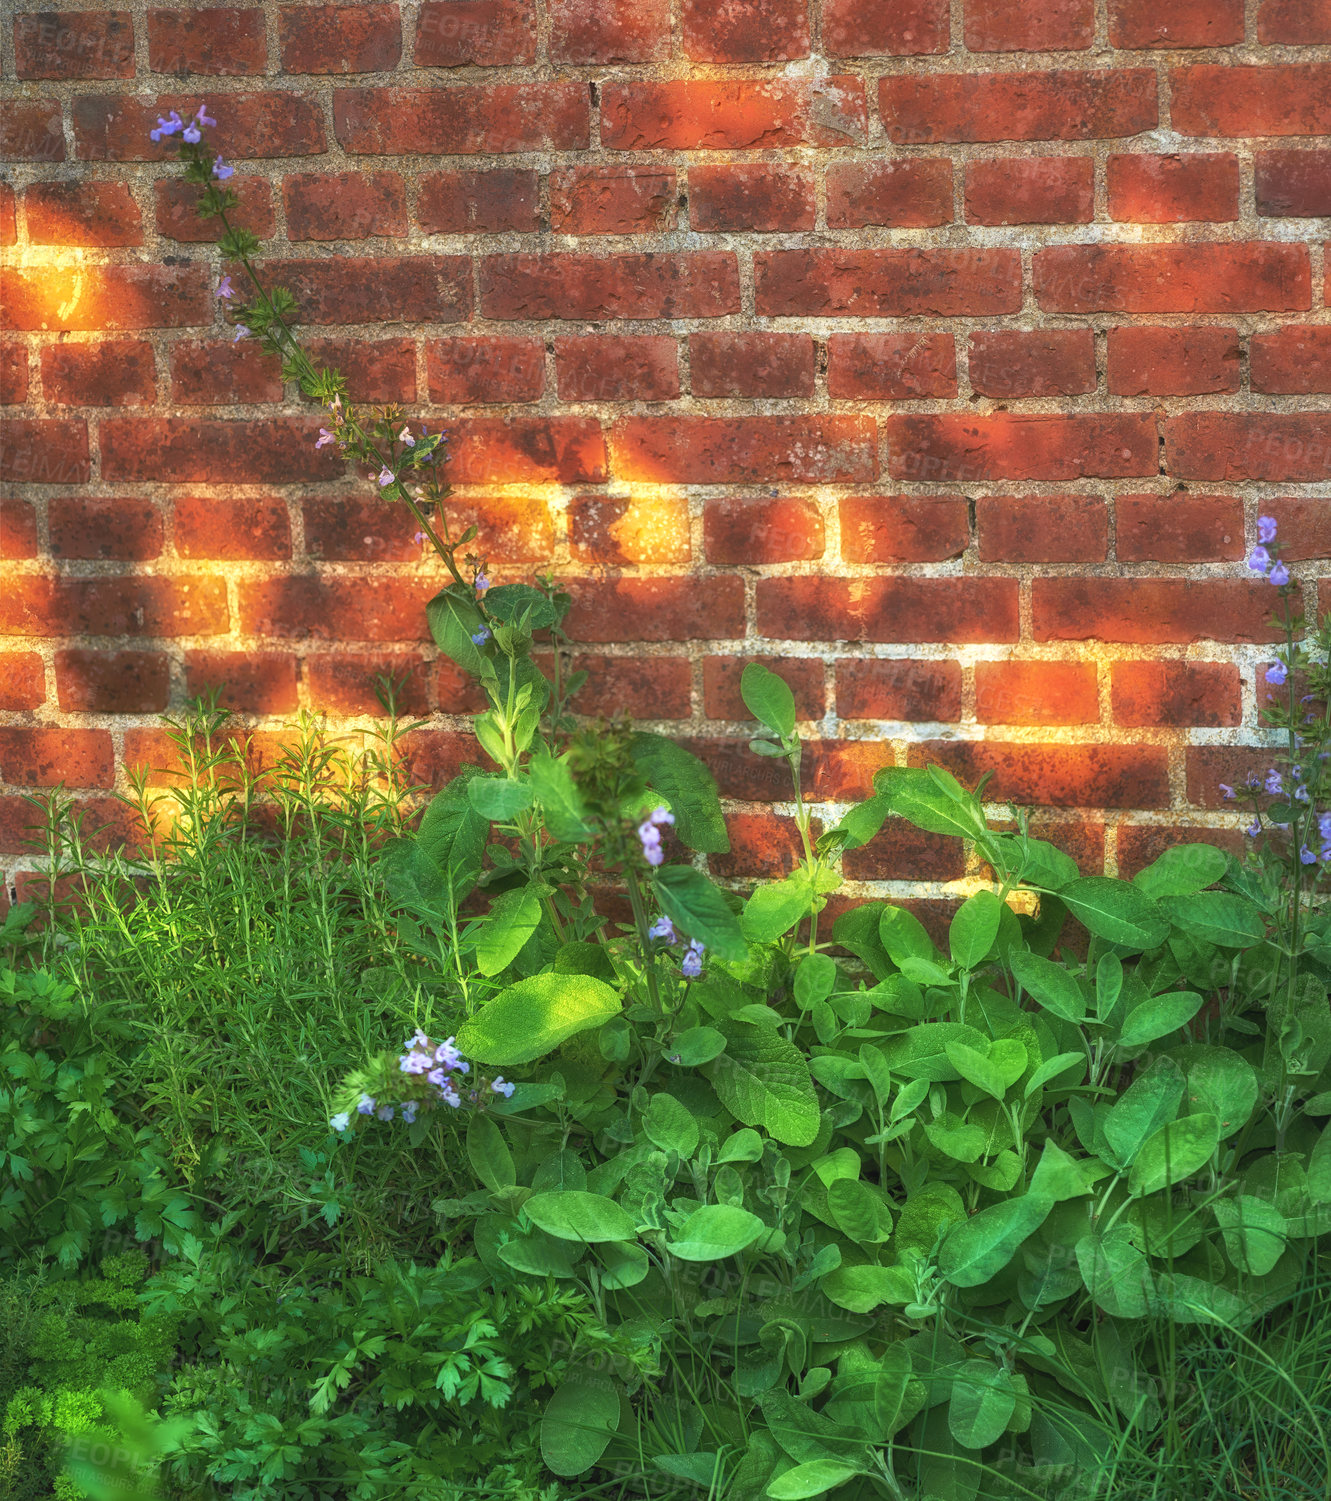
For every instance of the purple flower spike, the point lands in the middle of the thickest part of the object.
(691, 965)
(482, 583)
(366, 1106)
(1228, 791)
(1274, 783)
(481, 636)
(221, 171)
(1253, 829)
(655, 854)
(500, 1086)
(1259, 560)
(192, 134)
(325, 437)
(664, 929)
(1307, 857)
(202, 118)
(1279, 575)
(224, 288)
(1266, 528)
(385, 476)
(167, 127)
(242, 332)
(1277, 673)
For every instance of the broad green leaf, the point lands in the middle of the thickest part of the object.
(511, 602)
(687, 785)
(929, 1210)
(1054, 1068)
(1050, 984)
(1220, 1081)
(488, 1153)
(763, 1080)
(861, 1289)
(1255, 1232)
(696, 907)
(877, 1073)
(454, 835)
(1108, 984)
(1149, 1102)
(890, 1384)
(572, 1214)
(1057, 1175)
(513, 917)
(671, 1126)
(695, 1046)
(561, 803)
(744, 1145)
(859, 1211)
(1001, 1174)
(1181, 870)
(921, 1053)
(903, 936)
(919, 799)
(1158, 1017)
(815, 1478)
(974, 928)
(1116, 911)
(768, 698)
(497, 798)
(983, 1401)
(1196, 1300)
(579, 1421)
(1117, 1275)
(537, 1254)
(1174, 1153)
(1219, 917)
(622, 1264)
(857, 930)
(974, 1250)
(994, 1071)
(1319, 1168)
(815, 980)
(527, 1020)
(774, 908)
(861, 822)
(453, 621)
(1043, 865)
(714, 1232)
(963, 1141)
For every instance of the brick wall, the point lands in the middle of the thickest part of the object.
(945, 355)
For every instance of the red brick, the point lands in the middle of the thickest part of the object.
(745, 31)
(1036, 693)
(1061, 776)
(163, 450)
(912, 193)
(1175, 23)
(232, 530)
(887, 609)
(344, 205)
(744, 450)
(1042, 529)
(1139, 845)
(515, 530)
(13, 372)
(39, 451)
(46, 758)
(1172, 361)
(315, 607)
(83, 213)
(18, 530)
(612, 200)
(434, 757)
(487, 33)
(114, 373)
(127, 530)
(887, 283)
(1029, 25)
(1146, 610)
(500, 117)
(339, 38)
(907, 689)
(1031, 190)
(1054, 105)
(1293, 184)
(465, 371)
(212, 372)
(178, 217)
(8, 215)
(1291, 361)
(1300, 22)
(642, 687)
(376, 369)
(22, 681)
(74, 44)
(907, 28)
(718, 114)
(903, 528)
(31, 130)
(358, 530)
(609, 31)
(111, 682)
(492, 450)
(1043, 362)
(901, 852)
(721, 677)
(617, 367)
(381, 289)
(1304, 527)
(1179, 528)
(454, 203)
(616, 530)
(248, 682)
(1249, 445)
(891, 367)
(1146, 189)
(591, 287)
(219, 39)
(660, 609)
(1234, 100)
(947, 448)
(1176, 694)
(137, 605)
(833, 770)
(785, 529)
(457, 692)
(105, 298)
(756, 196)
(757, 364)
(344, 682)
(1194, 278)
(761, 844)
(275, 122)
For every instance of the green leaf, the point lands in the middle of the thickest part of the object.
(488, 1153)
(974, 928)
(920, 799)
(983, 1401)
(696, 906)
(497, 798)
(530, 1019)
(1149, 1102)
(861, 1289)
(1043, 865)
(1181, 870)
(1050, 984)
(859, 1211)
(1218, 917)
(453, 621)
(775, 907)
(453, 834)
(1174, 1152)
(743, 1146)
(575, 1214)
(1220, 1081)
(1117, 1275)
(686, 784)
(1057, 1175)
(815, 1478)
(904, 936)
(974, 1250)
(513, 918)
(1053, 1068)
(1158, 1017)
(890, 1385)
(671, 1126)
(815, 980)
(768, 698)
(714, 1232)
(579, 1421)
(861, 822)
(695, 1046)
(992, 1074)
(1255, 1232)
(1116, 911)
(561, 803)
(622, 1264)
(763, 1080)
(510, 602)
(921, 1053)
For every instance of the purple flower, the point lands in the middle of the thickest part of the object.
(451, 1096)
(482, 583)
(662, 815)
(447, 1054)
(242, 332)
(1277, 673)
(1307, 857)
(202, 118)
(385, 476)
(1324, 827)
(1259, 560)
(409, 1112)
(1274, 783)
(325, 437)
(501, 1087)
(691, 965)
(1228, 791)
(1266, 528)
(418, 539)
(224, 288)
(414, 1063)
(167, 127)
(663, 929)
(384, 1112)
(1325, 853)
(1302, 795)
(1253, 829)
(649, 833)
(340, 1121)
(192, 134)
(366, 1106)
(1279, 575)
(405, 437)
(221, 171)
(481, 636)
(654, 854)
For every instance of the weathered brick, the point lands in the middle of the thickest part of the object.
(45, 451)
(339, 38)
(310, 606)
(1140, 845)
(111, 682)
(788, 529)
(264, 123)
(1060, 104)
(82, 213)
(22, 681)
(1293, 184)
(1249, 445)
(761, 844)
(376, 369)
(901, 852)
(643, 687)
(13, 372)
(247, 682)
(359, 530)
(1029, 25)
(128, 530)
(454, 203)
(612, 200)
(1172, 361)
(905, 689)
(913, 193)
(379, 289)
(345, 682)
(1041, 362)
(893, 283)
(1209, 99)
(661, 609)
(1151, 610)
(18, 530)
(8, 215)
(213, 372)
(1036, 692)
(31, 130)
(178, 218)
(1300, 22)
(609, 31)
(903, 528)
(906, 28)
(1061, 776)
(47, 758)
(718, 114)
(950, 447)
(1257, 276)
(463, 371)
(485, 33)
(217, 39)
(497, 118)
(1304, 527)
(74, 44)
(753, 195)
(589, 287)
(1175, 23)
(492, 450)
(105, 299)
(745, 31)
(112, 373)
(887, 609)
(1042, 528)
(1031, 190)
(617, 367)
(721, 678)
(344, 205)
(752, 365)
(1291, 361)
(1147, 189)
(615, 530)
(130, 605)
(891, 367)
(744, 450)
(516, 529)
(267, 451)
(232, 530)
(1175, 694)
(1179, 528)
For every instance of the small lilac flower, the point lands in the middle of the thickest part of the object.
(366, 1106)
(418, 539)
(167, 127)
(1274, 783)
(414, 1063)
(405, 437)
(662, 815)
(1259, 560)
(1228, 791)
(451, 1096)
(1277, 673)
(202, 118)
(409, 1112)
(221, 171)
(501, 1087)
(192, 134)
(654, 854)
(1306, 856)
(1324, 827)
(481, 636)
(1279, 575)
(663, 929)
(385, 476)
(325, 437)
(384, 1112)
(1324, 854)
(340, 1121)
(438, 1077)
(482, 583)
(447, 1054)
(1266, 528)
(242, 332)
(691, 965)
(224, 288)
(1253, 829)
(649, 833)
(1302, 795)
